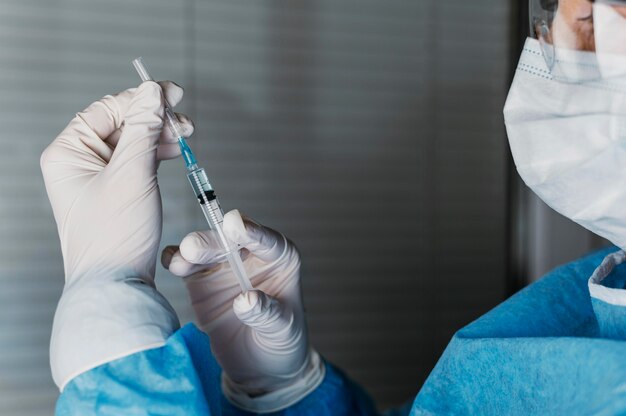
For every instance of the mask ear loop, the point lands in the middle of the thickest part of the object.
(545, 40)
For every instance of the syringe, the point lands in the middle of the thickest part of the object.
(202, 188)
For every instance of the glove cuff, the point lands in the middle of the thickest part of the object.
(100, 321)
(306, 381)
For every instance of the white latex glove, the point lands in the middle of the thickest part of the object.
(260, 337)
(101, 178)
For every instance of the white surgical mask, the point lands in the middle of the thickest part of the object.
(569, 142)
(610, 40)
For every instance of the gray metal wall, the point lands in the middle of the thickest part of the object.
(550, 239)
(369, 132)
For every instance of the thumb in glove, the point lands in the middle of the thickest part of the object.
(271, 322)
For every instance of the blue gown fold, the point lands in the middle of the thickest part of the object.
(546, 350)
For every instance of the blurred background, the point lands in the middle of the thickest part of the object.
(369, 132)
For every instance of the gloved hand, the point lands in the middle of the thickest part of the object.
(259, 337)
(101, 178)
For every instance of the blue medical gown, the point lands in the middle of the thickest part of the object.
(549, 349)
(183, 378)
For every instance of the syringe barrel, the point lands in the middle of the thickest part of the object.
(215, 217)
(201, 186)
(209, 203)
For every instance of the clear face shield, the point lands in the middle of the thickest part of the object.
(581, 40)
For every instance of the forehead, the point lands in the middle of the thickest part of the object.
(572, 7)
(553, 4)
